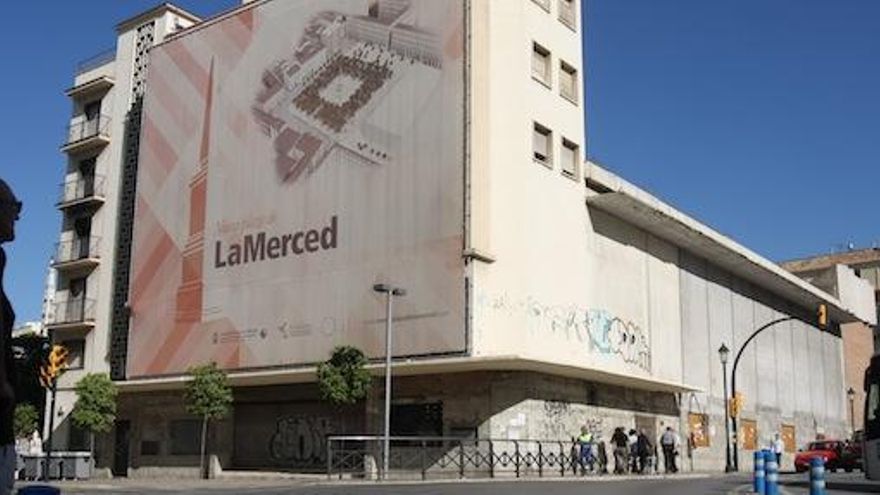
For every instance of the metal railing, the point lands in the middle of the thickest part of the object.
(82, 128)
(74, 310)
(567, 13)
(359, 457)
(78, 248)
(96, 61)
(81, 188)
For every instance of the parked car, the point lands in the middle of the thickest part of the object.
(852, 457)
(829, 450)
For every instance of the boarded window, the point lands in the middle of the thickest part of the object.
(699, 429)
(568, 13)
(749, 434)
(788, 438)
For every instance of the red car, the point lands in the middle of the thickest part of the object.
(829, 450)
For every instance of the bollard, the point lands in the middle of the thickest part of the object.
(759, 477)
(817, 476)
(771, 485)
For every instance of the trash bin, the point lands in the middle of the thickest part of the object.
(39, 490)
(75, 465)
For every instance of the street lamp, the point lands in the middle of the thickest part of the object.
(723, 355)
(851, 395)
(389, 292)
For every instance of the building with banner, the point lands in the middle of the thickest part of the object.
(260, 171)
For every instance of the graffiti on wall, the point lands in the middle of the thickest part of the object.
(600, 330)
(299, 441)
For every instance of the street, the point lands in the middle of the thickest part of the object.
(681, 485)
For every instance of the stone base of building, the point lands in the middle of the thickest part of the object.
(284, 428)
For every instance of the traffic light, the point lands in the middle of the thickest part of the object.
(822, 316)
(735, 405)
(56, 363)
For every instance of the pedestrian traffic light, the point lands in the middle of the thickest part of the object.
(822, 316)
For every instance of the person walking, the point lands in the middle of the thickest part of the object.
(643, 451)
(620, 442)
(778, 446)
(633, 456)
(585, 442)
(10, 208)
(669, 442)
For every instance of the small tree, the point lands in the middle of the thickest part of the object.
(344, 379)
(25, 422)
(95, 408)
(207, 395)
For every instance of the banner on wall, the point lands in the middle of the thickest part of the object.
(293, 155)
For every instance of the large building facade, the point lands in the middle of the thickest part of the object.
(286, 156)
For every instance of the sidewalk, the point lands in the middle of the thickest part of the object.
(848, 482)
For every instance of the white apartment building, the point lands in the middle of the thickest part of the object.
(545, 292)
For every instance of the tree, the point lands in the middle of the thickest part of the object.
(95, 408)
(207, 395)
(344, 379)
(25, 422)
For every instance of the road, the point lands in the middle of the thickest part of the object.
(703, 485)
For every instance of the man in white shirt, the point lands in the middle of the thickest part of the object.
(778, 446)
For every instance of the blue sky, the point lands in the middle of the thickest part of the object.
(759, 117)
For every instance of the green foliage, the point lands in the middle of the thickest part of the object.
(25, 422)
(208, 394)
(95, 408)
(344, 379)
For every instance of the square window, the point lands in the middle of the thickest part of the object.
(542, 140)
(541, 63)
(568, 82)
(75, 353)
(568, 13)
(569, 158)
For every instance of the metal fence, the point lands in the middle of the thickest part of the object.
(359, 457)
(96, 61)
(81, 188)
(82, 128)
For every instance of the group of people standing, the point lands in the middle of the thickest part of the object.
(633, 452)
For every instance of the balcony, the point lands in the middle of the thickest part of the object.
(85, 135)
(77, 256)
(83, 191)
(91, 88)
(75, 314)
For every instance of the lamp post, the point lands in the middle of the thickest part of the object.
(389, 292)
(851, 395)
(723, 355)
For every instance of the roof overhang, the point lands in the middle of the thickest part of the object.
(416, 367)
(643, 210)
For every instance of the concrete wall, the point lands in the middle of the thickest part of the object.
(791, 374)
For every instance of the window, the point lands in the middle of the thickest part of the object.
(569, 159)
(544, 4)
(542, 139)
(568, 82)
(541, 63)
(75, 353)
(77, 438)
(185, 436)
(568, 13)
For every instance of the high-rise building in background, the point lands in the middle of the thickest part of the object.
(236, 187)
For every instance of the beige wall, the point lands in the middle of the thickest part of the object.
(858, 347)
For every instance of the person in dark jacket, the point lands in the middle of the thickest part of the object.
(10, 207)
(621, 447)
(643, 450)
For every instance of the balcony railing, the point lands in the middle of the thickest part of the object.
(567, 13)
(78, 248)
(82, 129)
(74, 310)
(81, 189)
(96, 61)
